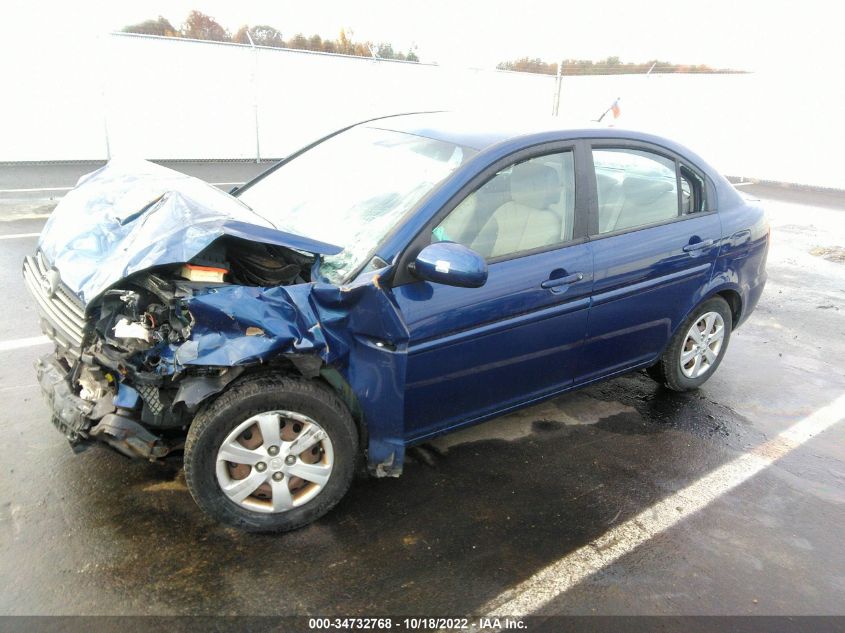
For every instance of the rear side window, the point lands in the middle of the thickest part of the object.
(635, 188)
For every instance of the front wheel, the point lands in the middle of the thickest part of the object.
(271, 454)
(697, 348)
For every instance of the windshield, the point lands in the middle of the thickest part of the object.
(352, 189)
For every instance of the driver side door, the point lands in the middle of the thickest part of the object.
(475, 352)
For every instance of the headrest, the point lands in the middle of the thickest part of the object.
(640, 190)
(605, 182)
(534, 185)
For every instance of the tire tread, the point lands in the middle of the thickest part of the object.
(213, 502)
(666, 370)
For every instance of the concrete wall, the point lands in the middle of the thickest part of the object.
(167, 98)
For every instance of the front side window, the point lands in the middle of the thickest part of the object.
(635, 188)
(528, 205)
(352, 189)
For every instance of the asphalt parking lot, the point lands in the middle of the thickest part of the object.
(529, 503)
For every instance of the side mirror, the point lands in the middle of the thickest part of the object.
(451, 264)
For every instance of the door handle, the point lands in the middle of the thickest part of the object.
(562, 281)
(698, 246)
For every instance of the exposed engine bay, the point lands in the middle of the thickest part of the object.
(148, 310)
(123, 374)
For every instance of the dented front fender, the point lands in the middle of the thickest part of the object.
(357, 331)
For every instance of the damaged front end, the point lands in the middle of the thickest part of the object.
(159, 291)
(81, 386)
(118, 266)
(132, 367)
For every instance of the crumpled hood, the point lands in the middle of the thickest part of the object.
(131, 215)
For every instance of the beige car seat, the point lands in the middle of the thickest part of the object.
(526, 221)
(647, 200)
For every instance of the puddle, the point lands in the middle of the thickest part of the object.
(830, 253)
(570, 410)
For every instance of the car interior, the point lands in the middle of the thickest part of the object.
(532, 204)
(527, 206)
(628, 200)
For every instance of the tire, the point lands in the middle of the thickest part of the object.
(669, 371)
(215, 435)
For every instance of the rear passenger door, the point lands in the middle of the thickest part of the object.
(655, 238)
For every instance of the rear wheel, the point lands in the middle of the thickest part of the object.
(272, 453)
(697, 348)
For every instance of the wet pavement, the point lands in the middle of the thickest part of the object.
(481, 510)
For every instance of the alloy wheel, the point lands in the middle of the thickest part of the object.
(702, 345)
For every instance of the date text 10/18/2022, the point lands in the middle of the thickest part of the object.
(417, 623)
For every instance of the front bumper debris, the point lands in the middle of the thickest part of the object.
(83, 422)
(126, 436)
(70, 413)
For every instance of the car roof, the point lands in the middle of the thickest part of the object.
(480, 131)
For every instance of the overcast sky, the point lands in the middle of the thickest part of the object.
(753, 35)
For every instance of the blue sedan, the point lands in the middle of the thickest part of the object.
(393, 281)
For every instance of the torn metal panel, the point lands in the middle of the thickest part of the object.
(130, 438)
(357, 330)
(194, 389)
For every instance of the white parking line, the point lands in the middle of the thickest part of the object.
(34, 190)
(33, 385)
(20, 343)
(39, 189)
(11, 237)
(24, 216)
(550, 582)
